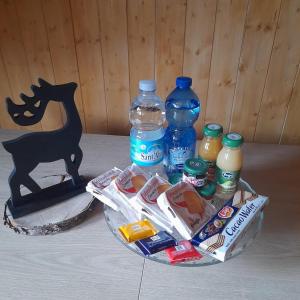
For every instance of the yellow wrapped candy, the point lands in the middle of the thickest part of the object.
(137, 231)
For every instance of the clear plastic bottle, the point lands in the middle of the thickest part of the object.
(147, 115)
(182, 111)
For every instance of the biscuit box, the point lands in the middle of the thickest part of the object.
(185, 208)
(220, 235)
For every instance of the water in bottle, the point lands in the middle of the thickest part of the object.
(147, 115)
(182, 111)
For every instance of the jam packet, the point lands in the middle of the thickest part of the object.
(220, 235)
(184, 251)
(147, 201)
(97, 185)
(137, 231)
(161, 241)
(185, 208)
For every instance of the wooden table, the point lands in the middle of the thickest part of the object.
(88, 263)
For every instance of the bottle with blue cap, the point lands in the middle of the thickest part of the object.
(147, 115)
(182, 111)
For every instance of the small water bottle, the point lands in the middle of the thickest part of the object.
(182, 111)
(147, 115)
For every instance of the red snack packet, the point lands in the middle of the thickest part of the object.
(184, 251)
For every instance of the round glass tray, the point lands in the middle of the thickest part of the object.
(115, 219)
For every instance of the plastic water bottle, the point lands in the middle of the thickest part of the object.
(147, 115)
(182, 111)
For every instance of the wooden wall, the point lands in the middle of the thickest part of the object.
(243, 57)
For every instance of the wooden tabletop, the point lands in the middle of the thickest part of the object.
(88, 263)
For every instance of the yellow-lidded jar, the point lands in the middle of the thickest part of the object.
(210, 146)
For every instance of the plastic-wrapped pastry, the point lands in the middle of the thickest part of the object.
(147, 201)
(185, 208)
(97, 185)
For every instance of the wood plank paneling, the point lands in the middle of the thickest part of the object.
(13, 54)
(38, 55)
(115, 62)
(243, 56)
(229, 29)
(89, 56)
(255, 57)
(199, 34)
(5, 91)
(285, 59)
(291, 130)
(57, 14)
(169, 47)
(141, 41)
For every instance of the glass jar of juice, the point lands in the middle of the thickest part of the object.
(230, 161)
(210, 146)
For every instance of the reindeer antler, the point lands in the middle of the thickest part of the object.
(18, 112)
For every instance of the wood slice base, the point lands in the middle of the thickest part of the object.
(54, 219)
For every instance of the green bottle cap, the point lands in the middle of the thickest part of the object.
(232, 140)
(213, 129)
(195, 166)
(208, 190)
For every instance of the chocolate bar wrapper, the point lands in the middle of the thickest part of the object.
(147, 201)
(185, 208)
(156, 243)
(220, 235)
(97, 185)
(184, 251)
(137, 230)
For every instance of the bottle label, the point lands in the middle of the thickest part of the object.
(179, 155)
(197, 182)
(211, 169)
(228, 180)
(146, 153)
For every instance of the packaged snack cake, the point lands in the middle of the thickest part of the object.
(97, 185)
(185, 208)
(147, 201)
(220, 235)
(124, 189)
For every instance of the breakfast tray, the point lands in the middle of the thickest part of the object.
(115, 219)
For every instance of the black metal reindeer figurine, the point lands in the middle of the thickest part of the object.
(39, 147)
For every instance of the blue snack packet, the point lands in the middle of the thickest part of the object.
(161, 241)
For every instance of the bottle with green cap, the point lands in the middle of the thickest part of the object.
(210, 146)
(230, 161)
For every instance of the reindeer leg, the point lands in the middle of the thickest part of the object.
(14, 185)
(30, 183)
(73, 165)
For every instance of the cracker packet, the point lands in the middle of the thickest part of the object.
(124, 190)
(185, 208)
(147, 201)
(220, 235)
(97, 185)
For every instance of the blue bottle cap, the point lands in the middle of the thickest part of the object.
(183, 82)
